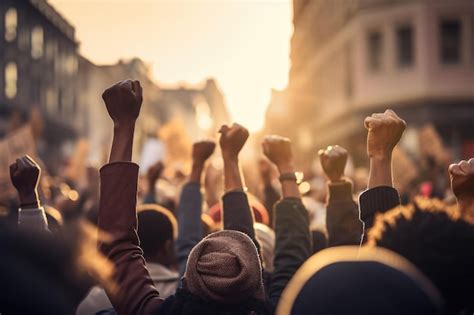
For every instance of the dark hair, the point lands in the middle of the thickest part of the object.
(435, 239)
(188, 303)
(53, 272)
(155, 227)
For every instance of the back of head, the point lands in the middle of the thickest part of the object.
(224, 268)
(266, 238)
(437, 241)
(156, 227)
(344, 280)
(44, 273)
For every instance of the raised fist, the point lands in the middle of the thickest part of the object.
(278, 150)
(462, 181)
(123, 101)
(232, 140)
(25, 174)
(333, 161)
(384, 132)
(154, 172)
(202, 150)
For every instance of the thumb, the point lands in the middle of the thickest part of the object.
(224, 129)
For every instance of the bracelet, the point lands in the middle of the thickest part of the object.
(294, 176)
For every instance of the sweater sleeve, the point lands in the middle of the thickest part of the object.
(189, 223)
(342, 220)
(377, 200)
(33, 219)
(292, 244)
(237, 214)
(135, 292)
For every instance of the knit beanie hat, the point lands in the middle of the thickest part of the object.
(224, 267)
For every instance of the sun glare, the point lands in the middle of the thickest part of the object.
(244, 45)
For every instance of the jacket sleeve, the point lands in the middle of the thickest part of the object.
(189, 223)
(270, 198)
(342, 219)
(135, 293)
(292, 244)
(377, 200)
(237, 214)
(33, 219)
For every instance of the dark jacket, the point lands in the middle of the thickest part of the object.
(136, 293)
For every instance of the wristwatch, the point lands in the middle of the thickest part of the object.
(295, 176)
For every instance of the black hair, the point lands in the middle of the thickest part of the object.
(188, 303)
(44, 273)
(155, 227)
(438, 241)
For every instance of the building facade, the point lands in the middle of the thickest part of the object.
(199, 109)
(38, 69)
(350, 58)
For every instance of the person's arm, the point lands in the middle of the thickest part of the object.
(25, 175)
(384, 132)
(270, 194)
(152, 176)
(292, 235)
(462, 185)
(190, 205)
(342, 220)
(135, 292)
(236, 211)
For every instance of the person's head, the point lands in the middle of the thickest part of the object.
(353, 280)
(436, 240)
(223, 276)
(157, 230)
(266, 238)
(53, 272)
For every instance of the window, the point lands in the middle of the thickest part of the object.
(51, 50)
(375, 50)
(405, 47)
(51, 100)
(11, 23)
(11, 77)
(37, 42)
(450, 41)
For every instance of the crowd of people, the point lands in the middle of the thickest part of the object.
(117, 250)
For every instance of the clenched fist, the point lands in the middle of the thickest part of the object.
(462, 182)
(202, 150)
(154, 172)
(333, 161)
(278, 150)
(25, 174)
(232, 140)
(123, 101)
(384, 132)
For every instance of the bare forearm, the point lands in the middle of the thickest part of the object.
(232, 177)
(196, 172)
(122, 144)
(380, 173)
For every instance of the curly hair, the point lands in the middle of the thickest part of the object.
(188, 303)
(437, 240)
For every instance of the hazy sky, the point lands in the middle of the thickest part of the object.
(244, 44)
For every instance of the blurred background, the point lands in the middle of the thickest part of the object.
(307, 69)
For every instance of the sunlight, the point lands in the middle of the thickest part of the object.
(244, 45)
